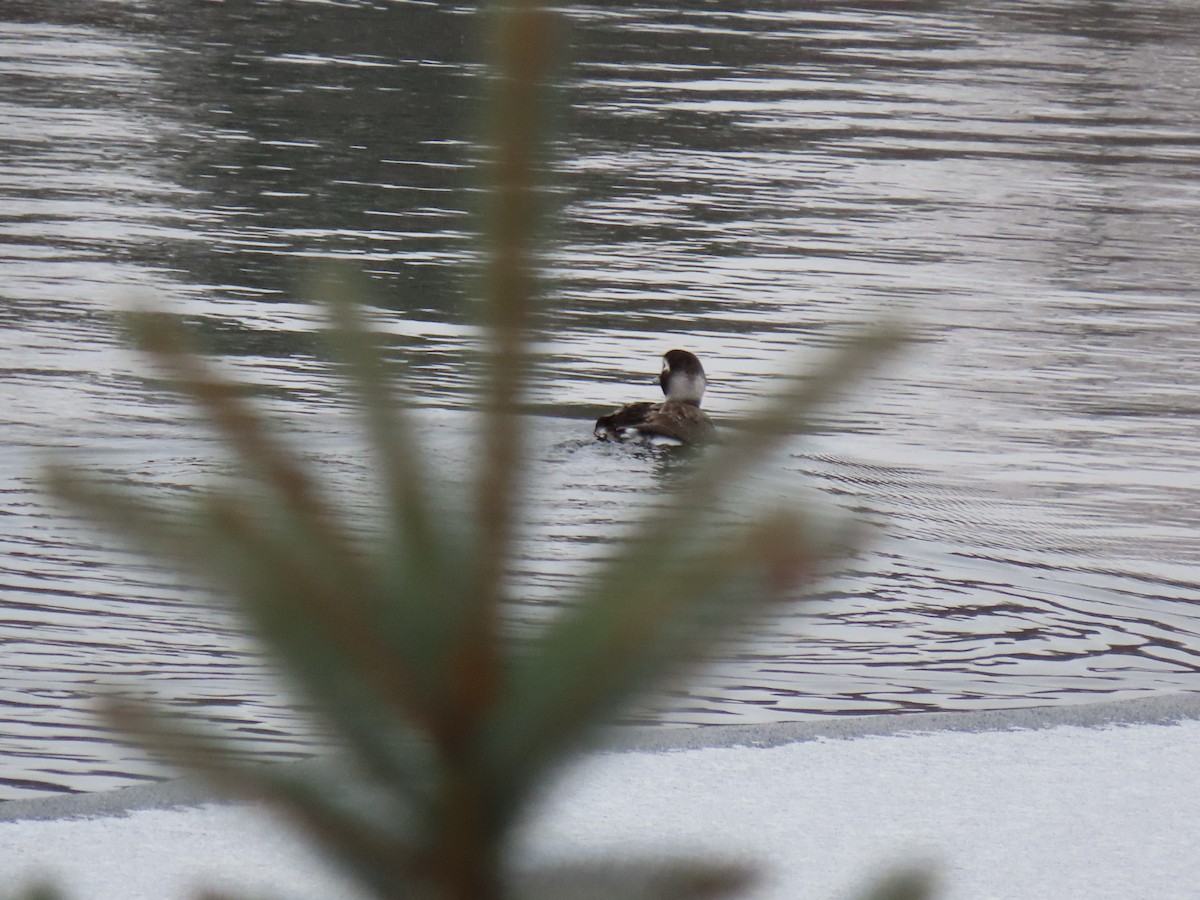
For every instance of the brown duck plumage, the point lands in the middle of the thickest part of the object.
(677, 419)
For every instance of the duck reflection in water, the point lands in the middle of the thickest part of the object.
(677, 420)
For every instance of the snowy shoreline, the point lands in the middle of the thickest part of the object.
(1083, 802)
(1153, 710)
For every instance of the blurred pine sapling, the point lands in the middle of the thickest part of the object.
(449, 723)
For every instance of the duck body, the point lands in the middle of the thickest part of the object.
(676, 420)
(669, 422)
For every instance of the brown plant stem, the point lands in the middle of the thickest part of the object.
(466, 845)
(522, 53)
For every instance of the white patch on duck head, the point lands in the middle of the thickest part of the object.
(685, 383)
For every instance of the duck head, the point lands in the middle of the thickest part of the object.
(682, 377)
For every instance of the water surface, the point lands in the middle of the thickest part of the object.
(1016, 180)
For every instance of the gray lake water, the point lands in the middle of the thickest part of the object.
(1019, 181)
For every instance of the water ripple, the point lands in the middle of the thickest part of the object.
(1015, 181)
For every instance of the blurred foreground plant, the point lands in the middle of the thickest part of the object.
(449, 722)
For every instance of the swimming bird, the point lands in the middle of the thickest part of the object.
(676, 420)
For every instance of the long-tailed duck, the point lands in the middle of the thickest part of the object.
(676, 420)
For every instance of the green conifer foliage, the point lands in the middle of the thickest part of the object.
(396, 641)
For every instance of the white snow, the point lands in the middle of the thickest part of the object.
(1063, 812)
